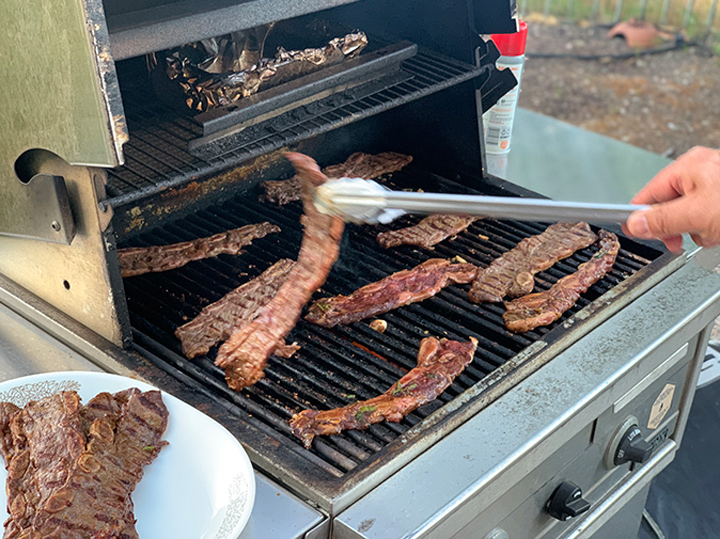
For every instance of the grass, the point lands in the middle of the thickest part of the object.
(606, 10)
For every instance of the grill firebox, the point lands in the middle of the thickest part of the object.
(335, 367)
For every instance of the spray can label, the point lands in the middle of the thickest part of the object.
(498, 121)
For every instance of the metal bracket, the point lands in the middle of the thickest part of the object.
(39, 209)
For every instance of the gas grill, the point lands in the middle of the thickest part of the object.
(534, 417)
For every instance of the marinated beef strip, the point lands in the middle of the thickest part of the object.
(512, 274)
(543, 308)
(47, 442)
(358, 165)
(95, 499)
(430, 231)
(396, 290)
(236, 309)
(108, 407)
(61, 475)
(139, 260)
(244, 354)
(439, 363)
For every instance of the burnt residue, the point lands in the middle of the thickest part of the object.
(175, 203)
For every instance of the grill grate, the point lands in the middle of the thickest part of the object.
(157, 156)
(337, 366)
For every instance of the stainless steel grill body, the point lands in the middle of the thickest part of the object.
(531, 411)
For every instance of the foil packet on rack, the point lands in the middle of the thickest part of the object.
(212, 73)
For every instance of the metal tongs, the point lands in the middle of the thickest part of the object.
(364, 201)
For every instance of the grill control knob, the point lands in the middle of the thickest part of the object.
(632, 447)
(566, 502)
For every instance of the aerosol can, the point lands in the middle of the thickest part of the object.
(498, 121)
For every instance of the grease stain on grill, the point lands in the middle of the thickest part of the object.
(366, 524)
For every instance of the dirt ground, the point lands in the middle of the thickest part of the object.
(665, 103)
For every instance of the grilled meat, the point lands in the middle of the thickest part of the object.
(513, 273)
(428, 232)
(61, 487)
(543, 308)
(396, 290)
(358, 165)
(439, 362)
(139, 260)
(244, 354)
(47, 442)
(95, 500)
(236, 309)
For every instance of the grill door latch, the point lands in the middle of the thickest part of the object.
(38, 209)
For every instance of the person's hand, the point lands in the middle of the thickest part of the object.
(686, 199)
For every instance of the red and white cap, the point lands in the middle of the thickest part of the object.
(512, 44)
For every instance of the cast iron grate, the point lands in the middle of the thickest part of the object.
(157, 156)
(337, 366)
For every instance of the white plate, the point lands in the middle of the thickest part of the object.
(201, 486)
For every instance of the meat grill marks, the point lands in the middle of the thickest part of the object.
(139, 260)
(47, 442)
(396, 290)
(358, 165)
(528, 312)
(513, 273)
(90, 484)
(245, 353)
(428, 232)
(217, 321)
(94, 501)
(439, 362)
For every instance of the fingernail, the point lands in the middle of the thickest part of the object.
(638, 226)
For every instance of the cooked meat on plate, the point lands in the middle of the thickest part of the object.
(358, 165)
(72, 469)
(401, 288)
(430, 231)
(139, 260)
(512, 274)
(543, 308)
(245, 353)
(439, 363)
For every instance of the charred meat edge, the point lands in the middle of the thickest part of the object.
(439, 363)
(139, 260)
(401, 288)
(358, 165)
(512, 274)
(217, 321)
(543, 308)
(429, 232)
(245, 353)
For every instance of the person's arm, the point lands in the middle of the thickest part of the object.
(686, 199)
